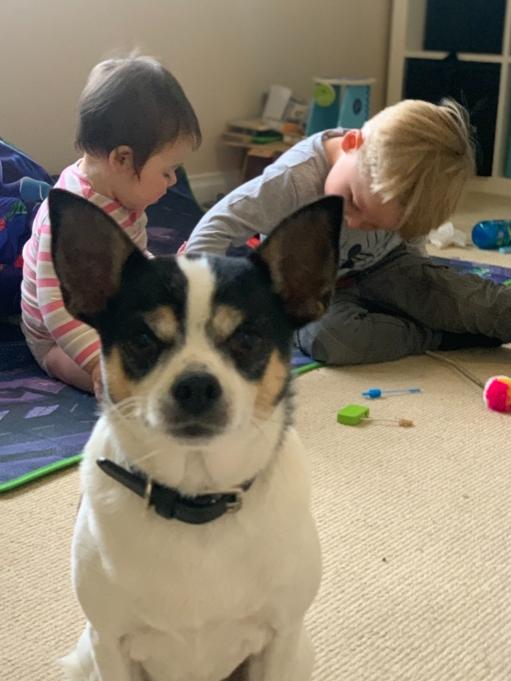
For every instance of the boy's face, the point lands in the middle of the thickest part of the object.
(362, 209)
(136, 192)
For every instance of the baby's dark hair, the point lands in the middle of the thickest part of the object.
(134, 101)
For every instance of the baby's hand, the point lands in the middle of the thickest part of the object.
(94, 369)
(97, 383)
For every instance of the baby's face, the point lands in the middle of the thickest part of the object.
(136, 192)
(362, 209)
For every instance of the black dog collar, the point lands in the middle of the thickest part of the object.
(169, 503)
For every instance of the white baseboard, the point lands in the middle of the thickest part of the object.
(490, 185)
(207, 186)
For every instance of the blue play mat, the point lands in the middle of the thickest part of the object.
(44, 424)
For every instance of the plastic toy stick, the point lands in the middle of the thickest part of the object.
(353, 414)
(374, 393)
(404, 423)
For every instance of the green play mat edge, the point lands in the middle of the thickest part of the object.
(39, 473)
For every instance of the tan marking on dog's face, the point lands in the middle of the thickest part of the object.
(224, 321)
(270, 386)
(119, 385)
(163, 323)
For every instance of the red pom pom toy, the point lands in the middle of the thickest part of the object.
(497, 393)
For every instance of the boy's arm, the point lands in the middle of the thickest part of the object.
(254, 208)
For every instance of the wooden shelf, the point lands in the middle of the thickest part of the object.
(462, 56)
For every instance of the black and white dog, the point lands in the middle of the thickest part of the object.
(195, 556)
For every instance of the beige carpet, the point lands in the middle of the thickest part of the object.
(415, 525)
(415, 528)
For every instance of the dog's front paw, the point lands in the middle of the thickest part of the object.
(72, 670)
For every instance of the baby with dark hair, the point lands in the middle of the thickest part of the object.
(135, 128)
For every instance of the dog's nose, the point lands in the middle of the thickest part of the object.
(196, 392)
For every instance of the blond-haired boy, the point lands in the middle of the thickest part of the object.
(400, 176)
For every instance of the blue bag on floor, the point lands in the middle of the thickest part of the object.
(23, 186)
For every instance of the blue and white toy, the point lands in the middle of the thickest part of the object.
(489, 234)
(375, 393)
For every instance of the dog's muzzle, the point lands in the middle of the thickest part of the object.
(197, 407)
(196, 393)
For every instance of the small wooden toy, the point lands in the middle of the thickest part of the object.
(353, 414)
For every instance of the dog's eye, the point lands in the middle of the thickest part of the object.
(249, 348)
(143, 344)
(242, 342)
(143, 341)
(141, 352)
(245, 344)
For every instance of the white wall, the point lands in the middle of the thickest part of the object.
(224, 52)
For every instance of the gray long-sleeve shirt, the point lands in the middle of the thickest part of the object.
(258, 206)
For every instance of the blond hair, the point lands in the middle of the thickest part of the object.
(420, 154)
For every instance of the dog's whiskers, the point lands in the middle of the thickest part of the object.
(149, 455)
(259, 425)
(126, 409)
(124, 412)
(126, 406)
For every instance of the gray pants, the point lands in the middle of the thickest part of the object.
(400, 307)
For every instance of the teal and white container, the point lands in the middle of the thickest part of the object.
(339, 103)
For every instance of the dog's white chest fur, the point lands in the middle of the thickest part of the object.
(190, 603)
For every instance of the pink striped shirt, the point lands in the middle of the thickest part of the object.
(45, 318)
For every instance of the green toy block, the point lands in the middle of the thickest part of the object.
(352, 414)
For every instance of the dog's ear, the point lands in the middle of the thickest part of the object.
(89, 252)
(302, 256)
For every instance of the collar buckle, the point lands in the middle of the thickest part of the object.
(234, 505)
(148, 491)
